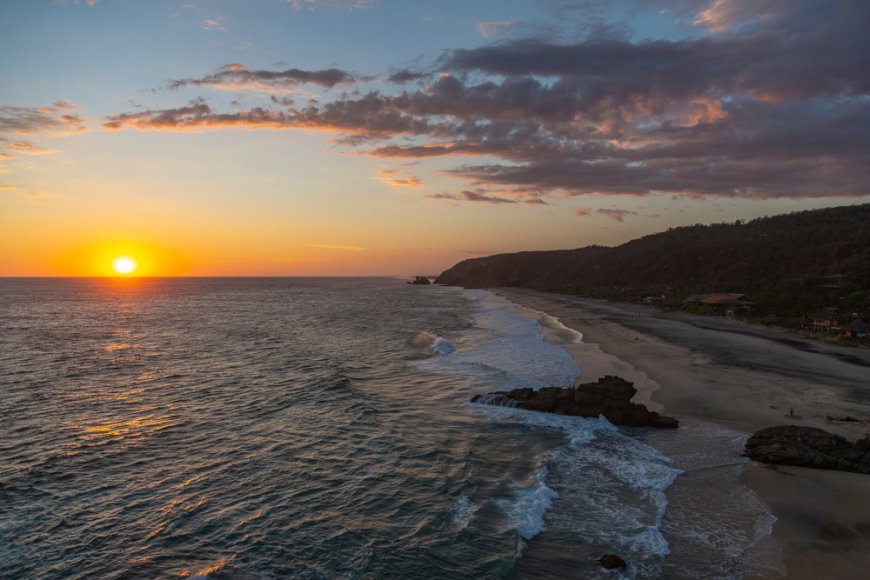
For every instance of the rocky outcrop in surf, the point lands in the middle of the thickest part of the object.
(420, 281)
(610, 396)
(611, 561)
(808, 447)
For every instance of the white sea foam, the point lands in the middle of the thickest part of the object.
(434, 343)
(612, 486)
(526, 511)
(568, 334)
(497, 400)
(717, 523)
(606, 486)
(463, 512)
(509, 350)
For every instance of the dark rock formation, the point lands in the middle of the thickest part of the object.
(808, 447)
(610, 396)
(847, 419)
(611, 561)
(420, 281)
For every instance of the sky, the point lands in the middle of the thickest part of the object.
(398, 137)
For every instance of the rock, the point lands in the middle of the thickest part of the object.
(609, 396)
(611, 561)
(522, 394)
(808, 447)
(656, 420)
(848, 418)
(420, 281)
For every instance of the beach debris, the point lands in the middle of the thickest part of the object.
(808, 447)
(611, 561)
(609, 396)
(848, 418)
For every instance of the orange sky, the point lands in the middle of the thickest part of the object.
(338, 137)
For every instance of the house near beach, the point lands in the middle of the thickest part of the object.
(727, 302)
(827, 322)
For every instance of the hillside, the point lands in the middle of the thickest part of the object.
(783, 263)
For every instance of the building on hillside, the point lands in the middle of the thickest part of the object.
(728, 303)
(827, 322)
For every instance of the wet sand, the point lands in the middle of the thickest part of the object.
(744, 378)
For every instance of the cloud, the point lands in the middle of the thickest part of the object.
(367, 117)
(6, 187)
(58, 119)
(336, 247)
(722, 16)
(54, 120)
(475, 196)
(389, 176)
(313, 5)
(64, 105)
(491, 28)
(89, 3)
(28, 148)
(236, 76)
(197, 114)
(614, 214)
(403, 76)
(767, 101)
(216, 23)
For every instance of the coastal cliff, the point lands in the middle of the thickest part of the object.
(783, 263)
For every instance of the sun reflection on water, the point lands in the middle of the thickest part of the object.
(107, 430)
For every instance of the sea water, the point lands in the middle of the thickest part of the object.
(321, 428)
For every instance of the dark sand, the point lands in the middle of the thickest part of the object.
(745, 378)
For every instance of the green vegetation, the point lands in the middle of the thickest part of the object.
(789, 266)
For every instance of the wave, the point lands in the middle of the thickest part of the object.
(602, 485)
(718, 526)
(503, 350)
(526, 511)
(463, 512)
(609, 486)
(434, 343)
(497, 400)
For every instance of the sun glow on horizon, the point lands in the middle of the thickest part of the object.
(130, 258)
(124, 265)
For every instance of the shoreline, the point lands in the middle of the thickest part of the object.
(743, 378)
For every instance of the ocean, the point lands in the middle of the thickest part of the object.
(321, 428)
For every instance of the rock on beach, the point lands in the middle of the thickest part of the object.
(808, 447)
(609, 396)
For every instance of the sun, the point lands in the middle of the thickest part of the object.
(124, 265)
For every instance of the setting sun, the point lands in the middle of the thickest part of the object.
(124, 265)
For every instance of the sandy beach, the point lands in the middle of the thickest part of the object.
(743, 378)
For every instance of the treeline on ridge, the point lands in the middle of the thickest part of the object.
(787, 265)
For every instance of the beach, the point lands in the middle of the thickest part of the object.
(743, 378)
